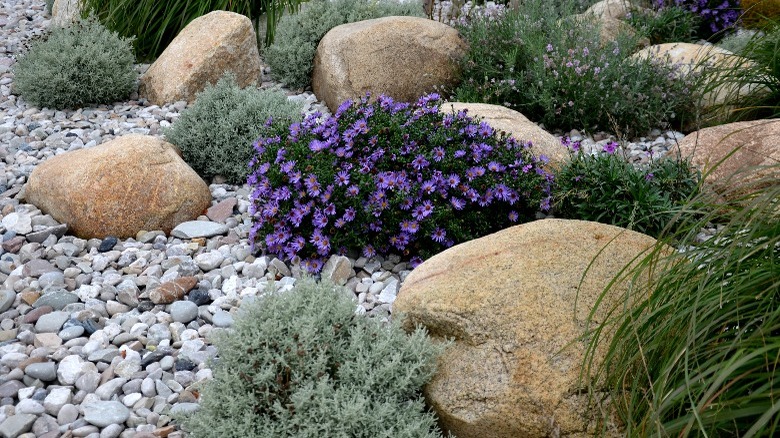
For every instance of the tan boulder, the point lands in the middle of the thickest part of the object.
(132, 183)
(518, 126)
(210, 46)
(617, 9)
(402, 57)
(746, 149)
(610, 28)
(64, 12)
(515, 303)
(700, 59)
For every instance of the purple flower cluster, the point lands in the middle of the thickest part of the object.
(388, 177)
(717, 15)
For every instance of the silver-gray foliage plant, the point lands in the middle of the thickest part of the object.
(302, 364)
(291, 56)
(73, 66)
(216, 133)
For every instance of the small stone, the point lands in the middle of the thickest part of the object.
(57, 398)
(67, 415)
(29, 406)
(72, 332)
(52, 279)
(37, 267)
(71, 368)
(104, 413)
(173, 290)
(195, 229)
(222, 210)
(14, 244)
(10, 388)
(184, 408)
(29, 297)
(127, 368)
(7, 298)
(57, 299)
(112, 431)
(41, 236)
(199, 297)
(280, 268)
(18, 223)
(110, 388)
(45, 372)
(184, 311)
(184, 364)
(47, 340)
(222, 319)
(209, 260)
(51, 322)
(16, 425)
(107, 244)
(337, 269)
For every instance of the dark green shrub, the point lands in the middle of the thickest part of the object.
(666, 25)
(74, 66)
(607, 188)
(302, 364)
(557, 71)
(697, 355)
(297, 36)
(215, 135)
(156, 23)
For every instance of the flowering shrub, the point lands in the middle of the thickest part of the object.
(557, 71)
(605, 187)
(716, 15)
(388, 177)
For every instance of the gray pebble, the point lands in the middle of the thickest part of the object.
(184, 311)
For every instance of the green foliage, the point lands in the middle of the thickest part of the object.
(673, 24)
(49, 4)
(607, 188)
(74, 66)
(759, 71)
(215, 135)
(556, 71)
(698, 355)
(302, 364)
(291, 56)
(156, 23)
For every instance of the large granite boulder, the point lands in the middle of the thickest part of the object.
(518, 126)
(64, 12)
(697, 59)
(118, 188)
(210, 46)
(742, 151)
(515, 303)
(402, 57)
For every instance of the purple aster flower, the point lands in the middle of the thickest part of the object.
(459, 153)
(513, 197)
(457, 203)
(486, 198)
(513, 216)
(368, 251)
(438, 235)
(470, 131)
(353, 190)
(406, 204)
(319, 220)
(453, 180)
(415, 262)
(428, 187)
(349, 214)
(420, 163)
(287, 166)
(342, 178)
(330, 210)
(418, 212)
(427, 208)
(494, 166)
(340, 222)
(501, 191)
(485, 130)
(438, 154)
(410, 227)
(360, 126)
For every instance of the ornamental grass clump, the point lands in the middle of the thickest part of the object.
(387, 177)
(215, 134)
(302, 364)
(670, 24)
(77, 65)
(557, 71)
(291, 56)
(605, 187)
(698, 353)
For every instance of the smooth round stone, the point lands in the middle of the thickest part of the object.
(67, 415)
(71, 332)
(184, 408)
(107, 244)
(7, 298)
(184, 311)
(57, 299)
(104, 413)
(51, 279)
(199, 297)
(222, 319)
(45, 371)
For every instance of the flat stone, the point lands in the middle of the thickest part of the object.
(54, 279)
(32, 316)
(57, 398)
(10, 388)
(56, 299)
(48, 340)
(222, 210)
(337, 269)
(104, 413)
(16, 425)
(14, 244)
(195, 229)
(222, 319)
(40, 236)
(171, 291)
(45, 371)
(7, 298)
(110, 388)
(51, 322)
(209, 260)
(72, 367)
(107, 244)
(37, 267)
(184, 408)
(184, 311)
